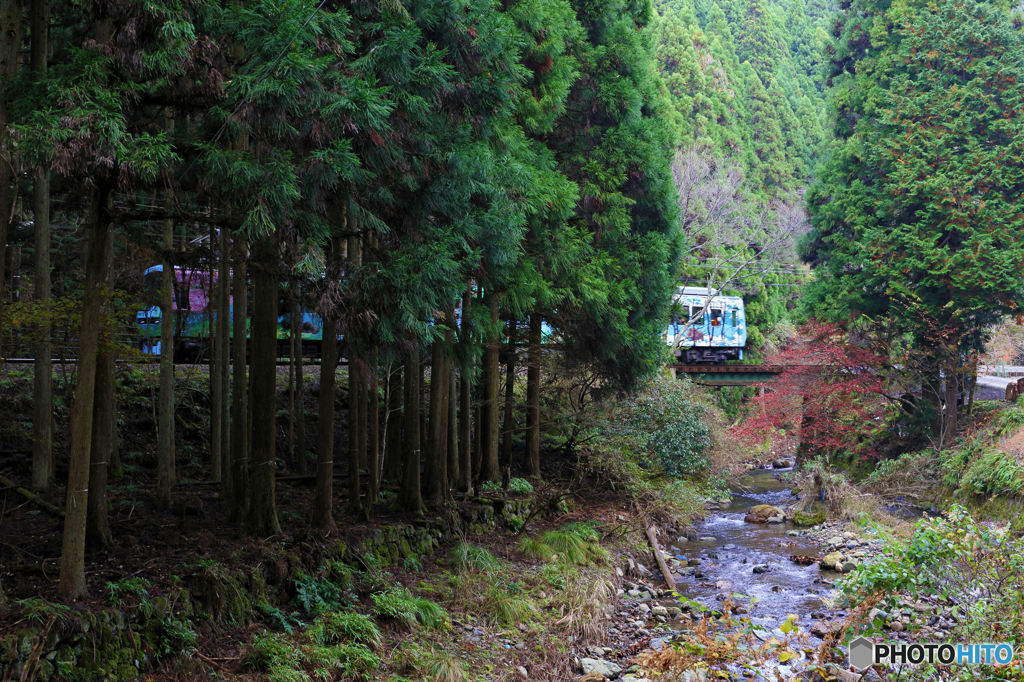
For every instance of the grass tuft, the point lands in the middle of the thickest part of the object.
(536, 549)
(467, 557)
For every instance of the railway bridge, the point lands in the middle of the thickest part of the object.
(727, 375)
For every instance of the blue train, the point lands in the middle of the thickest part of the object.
(719, 329)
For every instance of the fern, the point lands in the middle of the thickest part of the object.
(397, 603)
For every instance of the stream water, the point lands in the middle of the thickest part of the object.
(727, 564)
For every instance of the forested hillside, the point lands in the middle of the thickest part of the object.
(746, 80)
(745, 83)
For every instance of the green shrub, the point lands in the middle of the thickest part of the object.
(978, 573)
(664, 421)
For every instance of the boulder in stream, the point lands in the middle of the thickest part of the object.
(764, 513)
(832, 560)
(601, 667)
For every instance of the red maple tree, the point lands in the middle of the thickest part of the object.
(830, 392)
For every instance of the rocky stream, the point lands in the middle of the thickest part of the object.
(746, 553)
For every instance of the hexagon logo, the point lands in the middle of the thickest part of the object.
(862, 653)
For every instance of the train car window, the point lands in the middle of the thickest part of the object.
(734, 318)
(695, 313)
(716, 318)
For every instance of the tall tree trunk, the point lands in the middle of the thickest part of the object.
(393, 432)
(372, 435)
(323, 514)
(533, 398)
(931, 394)
(297, 416)
(951, 415)
(10, 44)
(300, 404)
(42, 404)
(489, 469)
(435, 471)
(216, 404)
(97, 530)
(409, 492)
(478, 434)
(973, 378)
(361, 427)
(508, 428)
(291, 373)
(223, 359)
(466, 396)
(423, 400)
(262, 517)
(353, 434)
(165, 408)
(239, 493)
(454, 475)
(72, 565)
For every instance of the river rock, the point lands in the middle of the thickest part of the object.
(823, 629)
(763, 513)
(831, 560)
(659, 611)
(708, 538)
(601, 667)
(592, 676)
(762, 568)
(781, 464)
(896, 626)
